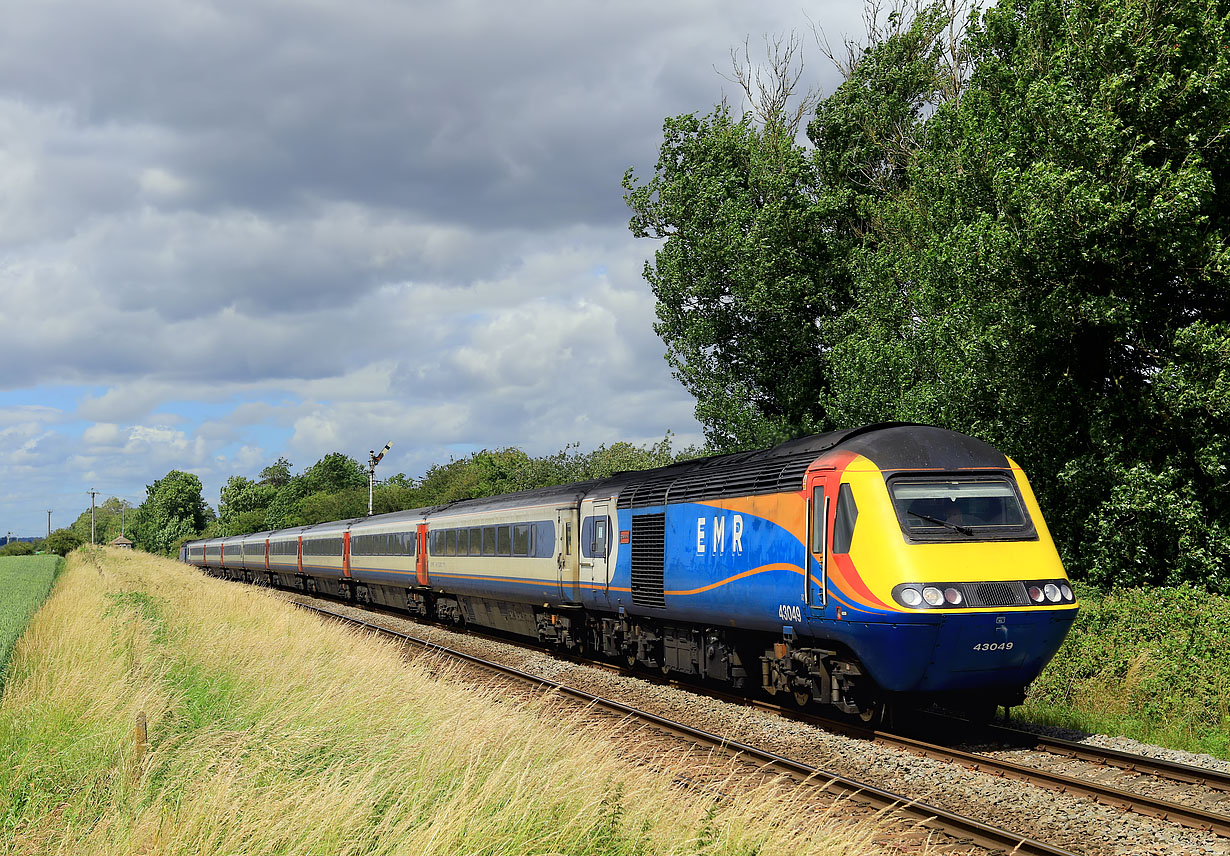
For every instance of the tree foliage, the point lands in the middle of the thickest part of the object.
(62, 542)
(17, 548)
(112, 517)
(1023, 237)
(173, 508)
(335, 488)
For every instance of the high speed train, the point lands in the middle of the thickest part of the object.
(892, 563)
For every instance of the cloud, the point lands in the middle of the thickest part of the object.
(230, 230)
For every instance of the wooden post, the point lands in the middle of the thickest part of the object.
(140, 737)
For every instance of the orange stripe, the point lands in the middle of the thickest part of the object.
(777, 566)
(848, 579)
(528, 582)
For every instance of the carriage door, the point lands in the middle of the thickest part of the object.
(566, 538)
(595, 544)
(420, 559)
(821, 494)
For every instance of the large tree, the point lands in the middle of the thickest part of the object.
(1035, 253)
(173, 508)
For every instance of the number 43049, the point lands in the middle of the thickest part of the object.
(993, 646)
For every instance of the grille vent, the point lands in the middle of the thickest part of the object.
(996, 594)
(750, 479)
(648, 559)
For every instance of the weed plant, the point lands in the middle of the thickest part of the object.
(1148, 663)
(24, 584)
(272, 732)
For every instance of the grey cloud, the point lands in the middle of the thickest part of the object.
(338, 220)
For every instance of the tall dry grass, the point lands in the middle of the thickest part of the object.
(270, 732)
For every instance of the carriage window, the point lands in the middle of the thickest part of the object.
(450, 542)
(503, 541)
(488, 540)
(845, 518)
(544, 539)
(476, 542)
(521, 539)
(600, 526)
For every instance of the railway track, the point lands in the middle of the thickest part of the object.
(1165, 810)
(1210, 822)
(1143, 804)
(1131, 761)
(962, 828)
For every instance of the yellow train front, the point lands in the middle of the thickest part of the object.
(932, 575)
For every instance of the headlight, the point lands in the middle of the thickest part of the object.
(911, 597)
(933, 596)
(1067, 592)
(953, 596)
(1052, 592)
(1035, 594)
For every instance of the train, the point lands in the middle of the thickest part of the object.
(874, 568)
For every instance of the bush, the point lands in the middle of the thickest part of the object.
(1148, 663)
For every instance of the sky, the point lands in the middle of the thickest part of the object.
(233, 231)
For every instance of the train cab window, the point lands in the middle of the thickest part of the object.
(960, 509)
(845, 518)
(521, 539)
(450, 542)
(488, 540)
(503, 541)
(476, 542)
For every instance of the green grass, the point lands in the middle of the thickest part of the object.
(24, 584)
(271, 733)
(1150, 664)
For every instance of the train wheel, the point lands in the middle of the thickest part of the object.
(802, 697)
(875, 713)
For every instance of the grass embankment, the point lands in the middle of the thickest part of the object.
(271, 732)
(24, 584)
(1151, 664)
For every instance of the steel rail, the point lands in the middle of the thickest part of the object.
(1131, 761)
(929, 816)
(1194, 818)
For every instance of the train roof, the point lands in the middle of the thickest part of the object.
(889, 445)
(777, 469)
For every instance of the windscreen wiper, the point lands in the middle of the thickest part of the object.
(955, 527)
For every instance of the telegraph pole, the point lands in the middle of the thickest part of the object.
(372, 460)
(93, 493)
(49, 523)
(123, 512)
